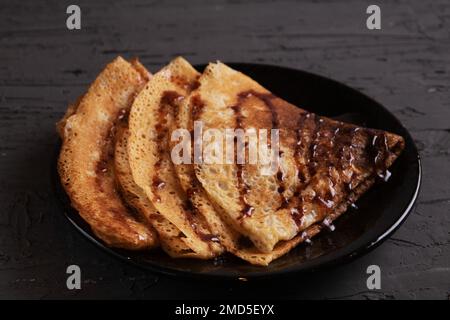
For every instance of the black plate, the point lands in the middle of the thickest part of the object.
(380, 211)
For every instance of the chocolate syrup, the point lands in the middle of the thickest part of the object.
(315, 144)
(190, 212)
(209, 237)
(158, 183)
(247, 210)
(343, 137)
(184, 83)
(267, 99)
(169, 98)
(321, 153)
(168, 105)
(197, 107)
(378, 151)
(108, 152)
(301, 168)
(104, 164)
(297, 211)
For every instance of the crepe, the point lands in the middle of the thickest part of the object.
(233, 241)
(150, 120)
(86, 165)
(324, 164)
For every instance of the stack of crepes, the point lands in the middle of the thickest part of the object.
(116, 166)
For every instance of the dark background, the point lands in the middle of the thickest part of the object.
(43, 66)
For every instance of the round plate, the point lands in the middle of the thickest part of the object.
(380, 211)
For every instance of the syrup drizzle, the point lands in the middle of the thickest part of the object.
(190, 212)
(168, 105)
(197, 107)
(247, 210)
(267, 99)
(379, 151)
(298, 211)
(315, 144)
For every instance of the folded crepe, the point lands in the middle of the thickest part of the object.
(86, 165)
(324, 165)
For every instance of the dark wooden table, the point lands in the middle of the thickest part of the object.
(43, 66)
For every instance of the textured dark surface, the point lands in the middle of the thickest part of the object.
(43, 66)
